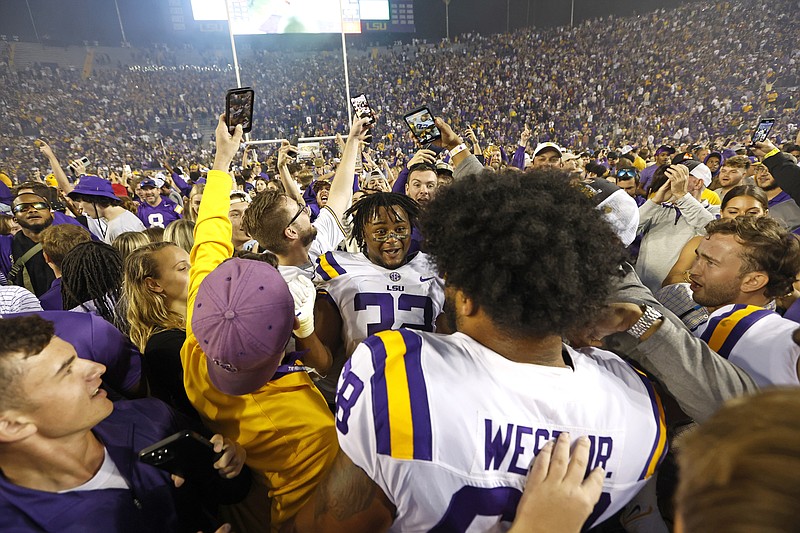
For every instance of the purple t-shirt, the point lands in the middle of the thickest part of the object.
(51, 300)
(159, 216)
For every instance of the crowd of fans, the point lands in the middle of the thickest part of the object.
(595, 195)
(697, 73)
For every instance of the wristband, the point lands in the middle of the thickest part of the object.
(771, 153)
(457, 150)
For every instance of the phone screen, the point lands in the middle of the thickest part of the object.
(763, 129)
(362, 108)
(422, 125)
(239, 109)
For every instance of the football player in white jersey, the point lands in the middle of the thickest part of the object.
(383, 287)
(742, 264)
(437, 431)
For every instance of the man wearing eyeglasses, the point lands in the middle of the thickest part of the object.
(386, 286)
(33, 213)
(283, 226)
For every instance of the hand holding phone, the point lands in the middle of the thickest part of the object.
(79, 166)
(422, 125)
(186, 454)
(363, 110)
(239, 109)
(762, 130)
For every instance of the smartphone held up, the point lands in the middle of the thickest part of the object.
(762, 130)
(362, 109)
(239, 109)
(422, 125)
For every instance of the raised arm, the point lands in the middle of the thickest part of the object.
(212, 244)
(342, 187)
(61, 177)
(464, 163)
(289, 185)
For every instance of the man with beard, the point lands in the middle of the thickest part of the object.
(742, 264)
(156, 211)
(33, 213)
(437, 431)
(283, 226)
(733, 173)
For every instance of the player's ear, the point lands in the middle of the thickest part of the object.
(466, 305)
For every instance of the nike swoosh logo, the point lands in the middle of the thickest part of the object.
(423, 280)
(635, 513)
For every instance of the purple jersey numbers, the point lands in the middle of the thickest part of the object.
(349, 391)
(385, 302)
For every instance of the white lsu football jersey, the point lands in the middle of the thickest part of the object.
(448, 428)
(757, 340)
(372, 298)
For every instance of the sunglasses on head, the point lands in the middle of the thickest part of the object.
(19, 208)
(625, 174)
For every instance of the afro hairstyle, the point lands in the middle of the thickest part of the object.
(529, 248)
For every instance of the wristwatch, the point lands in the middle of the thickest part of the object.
(648, 318)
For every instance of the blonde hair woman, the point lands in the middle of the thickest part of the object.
(181, 232)
(127, 242)
(156, 286)
(193, 205)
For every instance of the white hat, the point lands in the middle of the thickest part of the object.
(702, 172)
(546, 146)
(239, 196)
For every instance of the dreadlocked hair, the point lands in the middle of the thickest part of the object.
(530, 249)
(367, 208)
(147, 312)
(92, 271)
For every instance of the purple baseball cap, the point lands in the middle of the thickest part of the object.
(243, 318)
(93, 186)
(665, 148)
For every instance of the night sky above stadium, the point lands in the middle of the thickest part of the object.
(146, 21)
